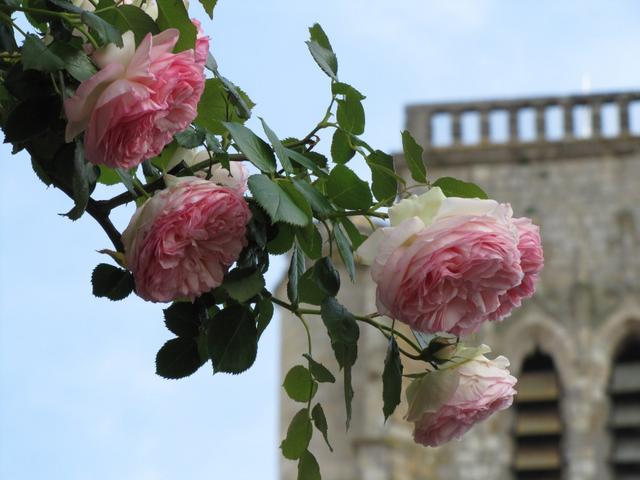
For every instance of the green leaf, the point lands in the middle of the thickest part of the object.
(350, 115)
(320, 421)
(383, 181)
(208, 6)
(344, 249)
(281, 152)
(341, 151)
(106, 32)
(326, 276)
(256, 150)
(303, 161)
(309, 291)
(83, 182)
(348, 394)
(111, 282)
(75, 61)
(178, 358)
(283, 240)
(190, 137)
(265, 314)
(276, 201)
(238, 98)
(173, 14)
(298, 435)
(37, 56)
(298, 198)
(299, 384)
(126, 177)
(214, 108)
(135, 19)
(296, 270)
(322, 52)
(233, 340)
(181, 318)
(340, 88)
(319, 203)
(346, 190)
(308, 468)
(353, 233)
(242, 285)
(452, 187)
(413, 157)
(343, 331)
(310, 240)
(391, 379)
(319, 371)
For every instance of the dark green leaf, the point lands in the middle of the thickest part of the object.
(283, 240)
(242, 285)
(452, 187)
(173, 14)
(127, 180)
(111, 282)
(76, 62)
(281, 153)
(339, 88)
(308, 468)
(297, 197)
(346, 190)
(190, 138)
(299, 384)
(178, 358)
(343, 331)
(208, 6)
(135, 19)
(341, 151)
(298, 435)
(83, 181)
(413, 157)
(37, 56)
(326, 276)
(108, 176)
(233, 340)
(352, 231)
(106, 32)
(310, 240)
(348, 395)
(391, 379)
(296, 270)
(265, 314)
(322, 52)
(344, 248)
(238, 99)
(383, 182)
(320, 421)
(319, 203)
(303, 161)
(181, 318)
(256, 150)
(319, 371)
(350, 115)
(214, 108)
(276, 201)
(309, 291)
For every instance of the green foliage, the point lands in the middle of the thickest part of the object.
(37, 56)
(341, 150)
(346, 190)
(178, 358)
(242, 284)
(308, 468)
(391, 379)
(105, 32)
(343, 332)
(296, 270)
(383, 180)
(344, 249)
(322, 52)
(350, 115)
(353, 233)
(173, 14)
(208, 6)
(216, 106)
(190, 137)
(255, 149)
(319, 371)
(413, 157)
(31, 117)
(298, 436)
(111, 282)
(281, 153)
(452, 187)
(83, 181)
(181, 318)
(310, 241)
(276, 201)
(320, 422)
(321, 207)
(282, 241)
(130, 17)
(299, 384)
(74, 61)
(326, 276)
(232, 340)
(265, 313)
(308, 289)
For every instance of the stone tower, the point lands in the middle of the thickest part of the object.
(573, 165)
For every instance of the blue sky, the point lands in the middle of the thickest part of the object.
(79, 398)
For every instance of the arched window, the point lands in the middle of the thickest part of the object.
(538, 423)
(624, 412)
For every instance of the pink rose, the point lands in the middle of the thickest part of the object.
(236, 179)
(139, 98)
(181, 242)
(445, 404)
(202, 43)
(450, 264)
(531, 261)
